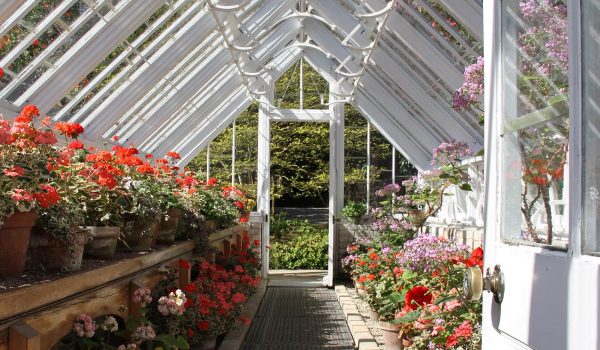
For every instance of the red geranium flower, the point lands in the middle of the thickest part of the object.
(47, 198)
(184, 264)
(476, 258)
(45, 138)
(417, 296)
(20, 195)
(14, 171)
(238, 298)
(145, 169)
(173, 155)
(1, 72)
(76, 145)
(212, 181)
(69, 129)
(203, 325)
(30, 111)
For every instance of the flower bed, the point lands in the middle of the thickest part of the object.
(413, 279)
(174, 316)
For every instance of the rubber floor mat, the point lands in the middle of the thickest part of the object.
(299, 319)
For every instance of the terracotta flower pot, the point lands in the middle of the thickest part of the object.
(14, 240)
(211, 226)
(209, 343)
(103, 243)
(141, 237)
(168, 226)
(390, 334)
(55, 255)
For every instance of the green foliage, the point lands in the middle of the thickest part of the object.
(300, 151)
(304, 246)
(354, 210)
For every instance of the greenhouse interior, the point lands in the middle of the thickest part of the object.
(299, 174)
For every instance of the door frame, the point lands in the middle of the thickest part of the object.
(334, 115)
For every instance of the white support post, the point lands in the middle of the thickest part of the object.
(368, 164)
(336, 181)
(207, 162)
(264, 173)
(233, 148)
(301, 85)
(393, 164)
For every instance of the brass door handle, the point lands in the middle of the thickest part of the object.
(474, 283)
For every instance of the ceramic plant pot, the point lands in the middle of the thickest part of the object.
(14, 240)
(103, 243)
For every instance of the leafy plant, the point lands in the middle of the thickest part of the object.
(354, 210)
(305, 250)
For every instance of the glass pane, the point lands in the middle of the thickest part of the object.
(536, 118)
(591, 127)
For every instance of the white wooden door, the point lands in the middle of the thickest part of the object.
(551, 298)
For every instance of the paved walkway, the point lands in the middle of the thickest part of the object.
(296, 314)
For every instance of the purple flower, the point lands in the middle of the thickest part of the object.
(427, 252)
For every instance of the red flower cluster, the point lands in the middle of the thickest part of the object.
(417, 296)
(476, 258)
(215, 299)
(69, 129)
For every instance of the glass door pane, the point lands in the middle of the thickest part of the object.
(535, 122)
(591, 125)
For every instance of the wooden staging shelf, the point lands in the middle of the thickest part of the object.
(38, 316)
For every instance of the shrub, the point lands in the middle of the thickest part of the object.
(305, 250)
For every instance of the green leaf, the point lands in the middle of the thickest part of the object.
(409, 317)
(466, 187)
(558, 98)
(396, 297)
(445, 299)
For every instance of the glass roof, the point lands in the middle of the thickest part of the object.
(169, 75)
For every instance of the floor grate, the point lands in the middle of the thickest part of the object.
(299, 319)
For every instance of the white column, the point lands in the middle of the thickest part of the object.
(368, 164)
(233, 148)
(208, 162)
(393, 164)
(264, 174)
(301, 85)
(336, 182)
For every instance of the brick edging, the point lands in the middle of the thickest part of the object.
(363, 339)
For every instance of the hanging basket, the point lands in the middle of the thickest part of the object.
(54, 255)
(103, 243)
(14, 240)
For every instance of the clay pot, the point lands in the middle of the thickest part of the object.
(390, 334)
(103, 243)
(209, 343)
(141, 237)
(14, 240)
(211, 226)
(168, 226)
(56, 255)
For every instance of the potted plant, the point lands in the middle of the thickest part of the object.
(106, 203)
(354, 211)
(26, 147)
